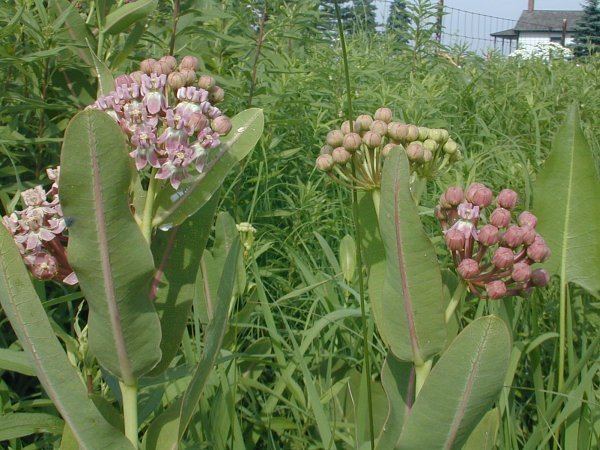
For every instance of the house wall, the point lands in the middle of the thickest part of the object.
(531, 38)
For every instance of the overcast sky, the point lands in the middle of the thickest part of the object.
(511, 9)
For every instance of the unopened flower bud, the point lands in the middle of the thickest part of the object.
(500, 217)
(161, 67)
(443, 203)
(455, 240)
(503, 258)
(488, 235)
(527, 219)
(439, 212)
(540, 278)
(450, 147)
(427, 155)
(423, 133)
(346, 127)
(147, 65)
(415, 151)
(538, 252)
(430, 145)
(495, 289)
(513, 236)
(325, 163)
(189, 75)
(384, 114)
(468, 268)
(389, 148)
(379, 127)
(412, 133)
(507, 198)
(206, 82)
(216, 94)
(189, 62)
(372, 139)
(341, 155)
(221, 125)
(479, 195)
(352, 142)
(397, 131)
(521, 272)
(456, 156)
(176, 80)
(137, 76)
(170, 60)
(335, 138)
(198, 121)
(326, 150)
(454, 195)
(363, 122)
(123, 80)
(529, 235)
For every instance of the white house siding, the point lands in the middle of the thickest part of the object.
(528, 39)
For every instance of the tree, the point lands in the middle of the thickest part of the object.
(587, 30)
(399, 17)
(363, 15)
(328, 22)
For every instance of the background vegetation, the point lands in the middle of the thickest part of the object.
(293, 352)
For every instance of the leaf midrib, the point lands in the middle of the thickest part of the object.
(563, 249)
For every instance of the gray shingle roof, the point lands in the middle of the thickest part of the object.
(548, 20)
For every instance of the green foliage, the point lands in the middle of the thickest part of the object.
(398, 17)
(587, 30)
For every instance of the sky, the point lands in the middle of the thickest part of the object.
(511, 9)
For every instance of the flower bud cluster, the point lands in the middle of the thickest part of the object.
(39, 232)
(492, 252)
(370, 139)
(168, 114)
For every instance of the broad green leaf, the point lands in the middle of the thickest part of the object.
(348, 257)
(173, 207)
(106, 82)
(58, 377)
(16, 361)
(484, 435)
(76, 27)
(398, 380)
(567, 204)
(128, 14)
(460, 389)
(106, 248)
(177, 255)
(16, 425)
(409, 311)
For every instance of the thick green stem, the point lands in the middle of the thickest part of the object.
(149, 207)
(459, 294)
(421, 373)
(130, 413)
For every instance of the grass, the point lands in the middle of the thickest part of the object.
(289, 374)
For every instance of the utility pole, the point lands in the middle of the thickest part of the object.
(563, 39)
(440, 18)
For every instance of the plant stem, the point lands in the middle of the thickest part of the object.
(421, 373)
(358, 238)
(130, 413)
(459, 294)
(148, 207)
(176, 10)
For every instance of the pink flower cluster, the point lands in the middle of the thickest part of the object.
(171, 124)
(38, 231)
(495, 258)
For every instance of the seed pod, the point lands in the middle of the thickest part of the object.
(221, 125)
(527, 219)
(412, 133)
(503, 258)
(479, 195)
(540, 278)
(500, 218)
(379, 127)
(495, 289)
(388, 148)
(372, 139)
(189, 62)
(430, 145)
(513, 237)
(384, 114)
(415, 151)
(335, 138)
(341, 155)
(363, 122)
(206, 82)
(352, 142)
(147, 65)
(521, 272)
(216, 94)
(468, 268)
(176, 80)
(455, 240)
(507, 198)
(325, 163)
(423, 133)
(488, 235)
(190, 76)
(326, 150)
(450, 147)
(454, 195)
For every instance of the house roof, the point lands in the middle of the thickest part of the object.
(506, 34)
(547, 20)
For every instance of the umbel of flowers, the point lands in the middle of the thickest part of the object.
(168, 113)
(39, 232)
(492, 251)
(371, 139)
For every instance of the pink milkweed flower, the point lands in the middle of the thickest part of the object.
(34, 197)
(42, 265)
(34, 230)
(153, 91)
(468, 211)
(175, 168)
(144, 139)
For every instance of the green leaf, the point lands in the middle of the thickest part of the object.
(348, 257)
(173, 207)
(128, 14)
(17, 425)
(16, 361)
(177, 255)
(56, 374)
(484, 435)
(76, 28)
(106, 248)
(106, 82)
(461, 387)
(567, 204)
(409, 311)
